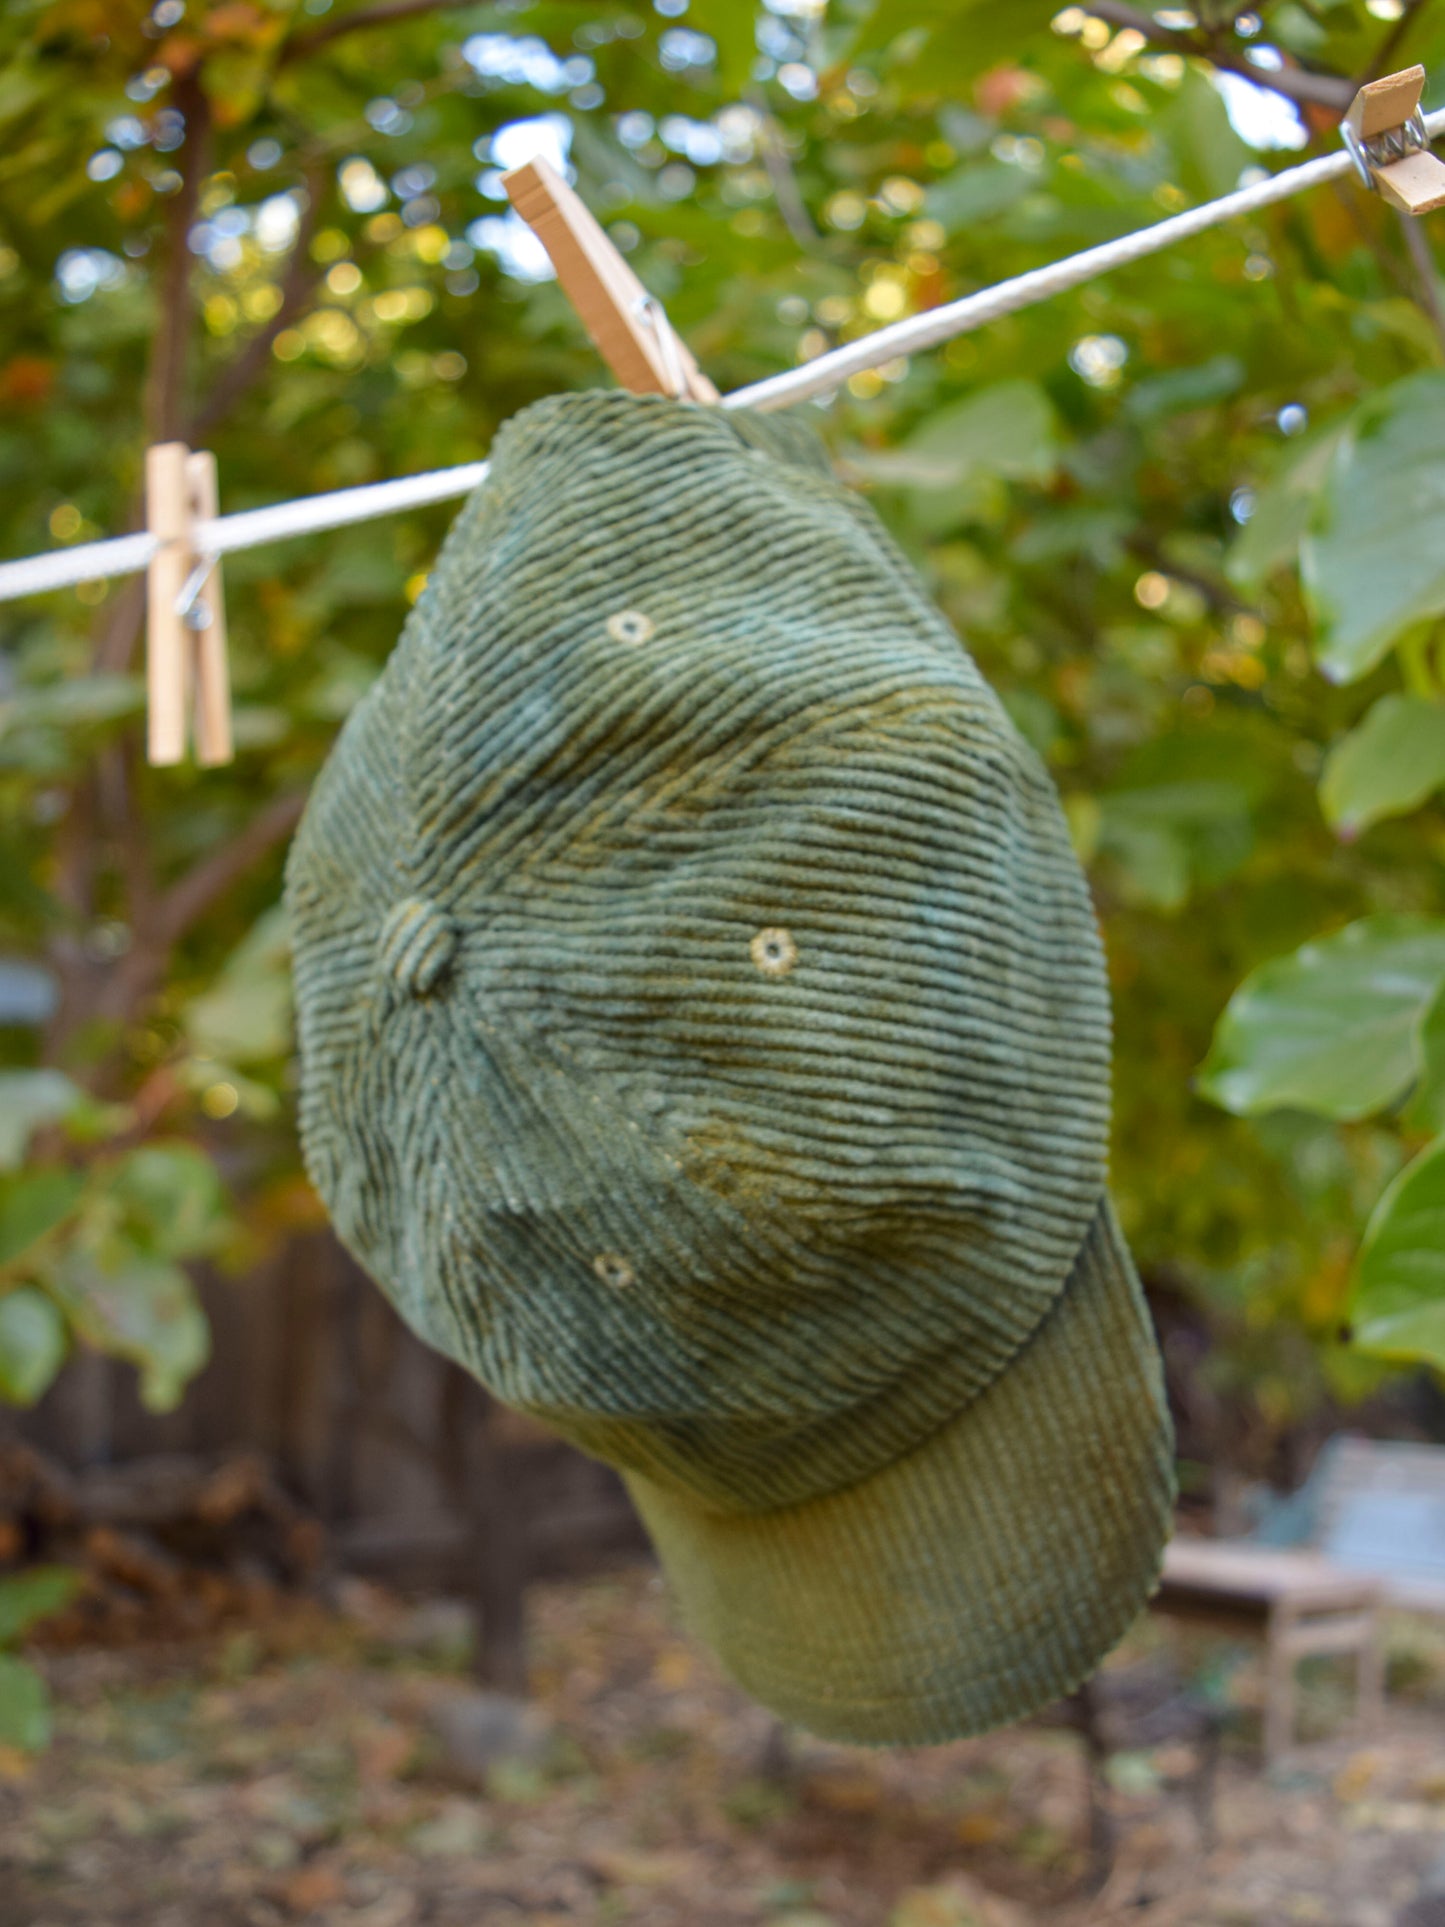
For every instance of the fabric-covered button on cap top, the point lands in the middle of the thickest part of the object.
(418, 943)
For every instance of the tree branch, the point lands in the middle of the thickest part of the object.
(165, 400)
(380, 15)
(1355, 206)
(297, 287)
(1426, 279)
(118, 631)
(86, 984)
(1294, 83)
(74, 888)
(784, 182)
(189, 899)
(1217, 594)
(1389, 47)
(116, 773)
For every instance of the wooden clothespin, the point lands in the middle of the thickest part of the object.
(1385, 133)
(627, 324)
(188, 686)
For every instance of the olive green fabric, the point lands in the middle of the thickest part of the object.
(705, 1040)
(983, 1574)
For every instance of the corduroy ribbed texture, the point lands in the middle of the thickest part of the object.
(979, 1577)
(703, 1022)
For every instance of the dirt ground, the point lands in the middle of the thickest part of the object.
(294, 1771)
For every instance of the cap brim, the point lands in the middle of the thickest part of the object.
(981, 1576)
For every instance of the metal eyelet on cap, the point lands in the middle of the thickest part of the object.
(774, 952)
(417, 945)
(631, 626)
(613, 1269)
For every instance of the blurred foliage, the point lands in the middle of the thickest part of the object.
(1158, 509)
(25, 1599)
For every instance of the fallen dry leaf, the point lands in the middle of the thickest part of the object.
(1356, 1776)
(312, 1887)
(955, 1902)
(621, 1868)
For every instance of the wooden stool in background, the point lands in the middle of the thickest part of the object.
(1307, 1605)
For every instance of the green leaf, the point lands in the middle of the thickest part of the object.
(1397, 1305)
(140, 1309)
(1374, 557)
(1292, 27)
(1332, 1029)
(32, 1349)
(935, 35)
(1154, 858)
(32, 1204)
(975, 193)
(1005, 430)
(246, 1015)
(172, 1196)
(24, 1706)
(1281, 514)
(729, 24)
(1387, 766)
(20, 91)
(1427, 1106)
(81, 700)
(1181, 388)
(1033, 716)
(28, 1597)
(898, 468)
(1056, 534)
(1209, 154)
(955, 465)
(1180, 816)
(29, 1099)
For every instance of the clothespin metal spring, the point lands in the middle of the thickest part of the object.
(651, 312)
(1386, 137)
(193, 611)
(1393, 145)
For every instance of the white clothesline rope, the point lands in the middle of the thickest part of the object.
(128, 554)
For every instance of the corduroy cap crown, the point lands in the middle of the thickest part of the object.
(705, 1040)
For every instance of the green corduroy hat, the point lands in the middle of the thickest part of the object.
(705, 1040)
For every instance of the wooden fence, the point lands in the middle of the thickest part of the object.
(420, 1479)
